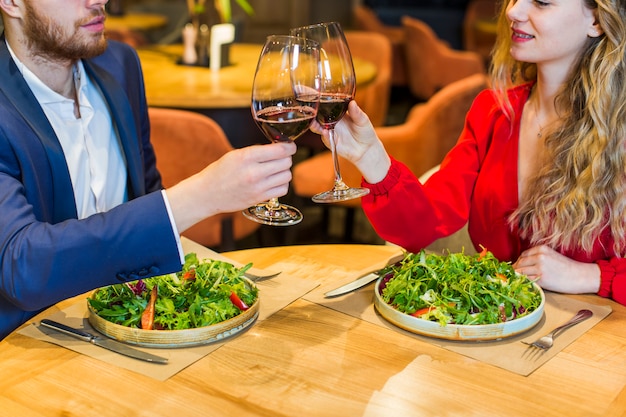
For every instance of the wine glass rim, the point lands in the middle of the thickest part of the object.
(315, 25)
(294, 39)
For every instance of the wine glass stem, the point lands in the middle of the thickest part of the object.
(339, 184)
(273, 204)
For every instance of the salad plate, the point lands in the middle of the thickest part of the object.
(429, 325)
(175, 338)
(208, 301)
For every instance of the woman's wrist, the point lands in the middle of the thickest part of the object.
(375, 164)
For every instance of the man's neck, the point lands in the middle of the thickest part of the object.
(60, 77)
(56, 74)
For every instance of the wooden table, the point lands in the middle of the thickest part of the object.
(309, 360)
(136, 21)
(169, 84)
(223, 95)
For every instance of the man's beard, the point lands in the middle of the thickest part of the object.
(49, 40)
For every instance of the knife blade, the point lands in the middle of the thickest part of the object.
(364, 279)
(353, 285)
(109, 344)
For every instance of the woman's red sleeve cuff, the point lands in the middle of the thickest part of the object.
(607, 275)
(613, 279)
(387, 183)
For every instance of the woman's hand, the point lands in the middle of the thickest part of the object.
(358, 143)
(557, 272)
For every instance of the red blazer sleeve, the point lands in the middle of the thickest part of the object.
(412, 215)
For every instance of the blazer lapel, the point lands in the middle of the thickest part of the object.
(124, 123)
(19, 94)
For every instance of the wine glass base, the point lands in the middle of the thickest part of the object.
(334, 196)
(283, 215)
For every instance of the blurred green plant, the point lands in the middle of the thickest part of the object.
(223, 8)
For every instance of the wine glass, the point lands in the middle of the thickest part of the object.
(285, 97)
(337, 90)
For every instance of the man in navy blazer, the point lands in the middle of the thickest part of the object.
(49, 249)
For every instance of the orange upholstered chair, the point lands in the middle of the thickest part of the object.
(373, 98)
(185, 142)
(431, 63)
(479, 26)
(421, 142)
(365, 19)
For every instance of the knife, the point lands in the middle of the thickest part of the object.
(353, 285)
(363, 280)
(109, 344)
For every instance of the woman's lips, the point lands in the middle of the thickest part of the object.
(519, 35)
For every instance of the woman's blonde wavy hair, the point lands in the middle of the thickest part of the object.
(580, 187)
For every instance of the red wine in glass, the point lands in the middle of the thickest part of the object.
(284, 124)
(331, 109)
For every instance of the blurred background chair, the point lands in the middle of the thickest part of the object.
(365, 19)
(185, 142)
(431, 63)
(479, 27)
(431, 129)
(373, 98)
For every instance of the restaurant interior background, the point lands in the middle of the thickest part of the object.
(322, 223)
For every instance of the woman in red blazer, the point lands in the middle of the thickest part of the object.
(539, 170)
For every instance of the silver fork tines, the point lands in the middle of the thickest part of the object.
(546, 341)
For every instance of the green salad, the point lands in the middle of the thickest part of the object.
(458, 289)
(202, 294)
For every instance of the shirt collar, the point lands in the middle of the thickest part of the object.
(43, 93)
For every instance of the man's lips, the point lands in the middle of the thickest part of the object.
(95, 23)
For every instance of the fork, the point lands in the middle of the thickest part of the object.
(253, 273)
(546, 341)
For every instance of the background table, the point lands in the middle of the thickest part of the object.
(136, 21)
(224, 95)
(309, 360)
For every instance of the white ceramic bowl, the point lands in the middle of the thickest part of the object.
(456, 331)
